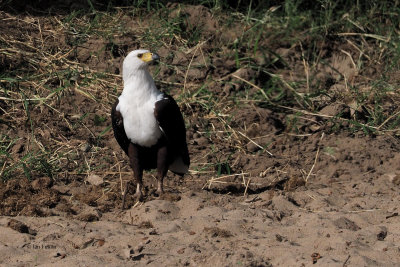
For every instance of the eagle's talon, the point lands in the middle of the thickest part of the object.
(159, 193)
(138, 196)
(160, 189)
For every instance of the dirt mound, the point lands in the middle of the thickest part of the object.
(21, 197)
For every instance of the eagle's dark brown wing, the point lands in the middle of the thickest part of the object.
(170, 120)
(118, 127)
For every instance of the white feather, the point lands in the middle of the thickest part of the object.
(137, 102)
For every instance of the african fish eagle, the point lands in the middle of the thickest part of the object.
(148, 124)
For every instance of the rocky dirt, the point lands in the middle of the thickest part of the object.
(259, 193)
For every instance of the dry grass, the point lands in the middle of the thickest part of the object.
(61, 75)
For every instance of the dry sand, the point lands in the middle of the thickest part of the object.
(344, 224)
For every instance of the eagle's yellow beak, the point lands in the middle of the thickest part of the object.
(149, 57)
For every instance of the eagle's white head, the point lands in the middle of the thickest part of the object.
(136, 62)
(137, 101)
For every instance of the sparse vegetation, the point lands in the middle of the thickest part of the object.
(331, 66)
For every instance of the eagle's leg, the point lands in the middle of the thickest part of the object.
(133, 153)
(162, 168)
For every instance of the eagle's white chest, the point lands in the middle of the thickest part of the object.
(140, 123)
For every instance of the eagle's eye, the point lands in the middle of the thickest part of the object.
(140, 55)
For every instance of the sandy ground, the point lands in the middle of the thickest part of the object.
(351, 221)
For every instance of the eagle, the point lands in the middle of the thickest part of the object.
(148, 124)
